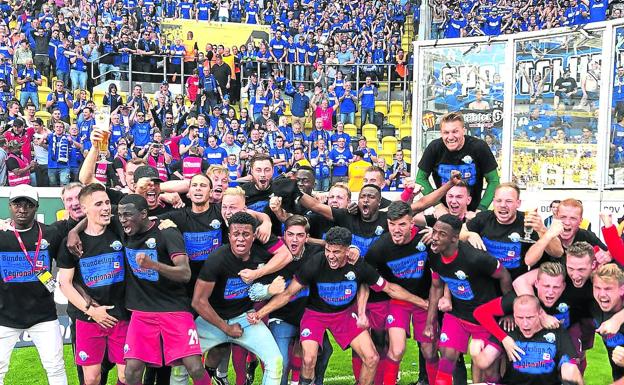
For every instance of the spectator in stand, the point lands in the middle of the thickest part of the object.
(58, 156)
(320, 160)
(348, 104)
(368, 154)
(300, 107)
(340, 157)
(399, 170)
(367, 95)
(322, 111)
(30, 80)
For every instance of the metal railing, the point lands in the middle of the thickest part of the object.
(387, 79)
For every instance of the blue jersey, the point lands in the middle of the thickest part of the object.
(598, 10)
(203, 11)
(278, 47)
(454, 27)
(252, 13)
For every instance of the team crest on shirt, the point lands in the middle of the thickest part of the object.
(44, 244)
(306, 332)
(563, 307)
(390, 319)
(379, 230)
(421, 246)
(460, 275)
(550, 337)
(350, 276)
(83, 355)
(443, 337)
(467, 159)
(116, 245)
(546, 356)
(514, 237)
(126, 348)
(215, 224)
(151, 243)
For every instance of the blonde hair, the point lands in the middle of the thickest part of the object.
(610, 272)
(217, 169)
(343, 186)
(551, 269)
(235, 191)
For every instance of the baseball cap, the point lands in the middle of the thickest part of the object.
(24, 191)
(146, 172)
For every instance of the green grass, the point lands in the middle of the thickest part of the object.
(26, 369)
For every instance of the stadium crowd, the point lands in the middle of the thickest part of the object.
(163, 273)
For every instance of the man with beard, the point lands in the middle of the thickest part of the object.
(221, 299)
(472, 277)
(457, 151)
(27, 250)
(579, 261)
(161, 325)
(401, 257)
(498, 232)
(332, 304)
(100, 313)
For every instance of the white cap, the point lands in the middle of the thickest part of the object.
(24, 191)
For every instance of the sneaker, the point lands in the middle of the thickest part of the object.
(251, 372)
(220, 380)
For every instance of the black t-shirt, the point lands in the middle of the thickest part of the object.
(589, 237)
(116, 196)
(545, 352)
(406, 265)
(319, 225)
(611, 341)
(503, 241)
(560, 309)
(258, 200)
(473, 160)
(469, 279)
(24, 300)
(566, 84)
(146, 289)
(293, 311)
(384, 203)
(99, 272)
(364, 233)
(230, 296)
(202, 233)
(334, 290)
(578, 299)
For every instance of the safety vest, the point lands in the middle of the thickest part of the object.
(191, 165)
(14, 179)
(160, 166)
(100, 172)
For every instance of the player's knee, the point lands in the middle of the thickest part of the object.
(396, 352)
(370, 359)
(133, 372)
(309, 359)
(196, 370)
(91, 378)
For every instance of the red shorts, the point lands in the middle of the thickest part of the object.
(92, 341)
(400, 313)
(456, 333)
(176, 329)
(342, 325)
(377, 313)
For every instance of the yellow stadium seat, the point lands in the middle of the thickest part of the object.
(98, 97)
(395, 119)
(407, 155)
(389, 144)
(44, 81)
(351, 129)
(405, 130)
(396, 107)
(388, 156)
(45, 116)
(381, 106)
(369, 131)
(372, 143)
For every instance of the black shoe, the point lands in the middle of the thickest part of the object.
(216, 380)
(251, 372)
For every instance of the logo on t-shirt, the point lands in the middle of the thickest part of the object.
(460, 275)
(151, 243)
(379, 230)
(443, 337)
(421, 246)
(215, 224)
(467, 159)
(390, 319)
(460, 288)
(102, 270)
(83, 355)
(306, 332)
(44, 244)
(350, 276)
(550, 337)
(514, 237)
(116, 245)
(409, 267)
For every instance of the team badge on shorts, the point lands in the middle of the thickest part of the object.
(306, 332)
(215, 224)
(390, 319)
(151, 243)
(116, 245)
(379, 230)
(550, 337)
(126, 348)
(83, 355)
(421, 246)
(460, 275)
(443, 337)
(514, 237)
(350, 276)
(44, 244)
(467, 159)
(562, 307)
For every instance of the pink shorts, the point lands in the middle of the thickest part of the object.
(342, 325)
(456, 333)
(400, 314)
(92, 341)
(377, 313)
(176, 329)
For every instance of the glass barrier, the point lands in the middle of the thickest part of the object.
(615, 174)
